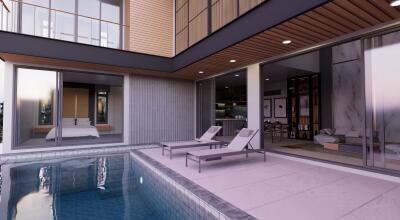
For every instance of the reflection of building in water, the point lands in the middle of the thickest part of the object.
(1, 182)
(101, 172)
(44, 179)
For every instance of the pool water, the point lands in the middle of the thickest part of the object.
(107, 187)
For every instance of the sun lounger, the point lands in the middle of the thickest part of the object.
(239, 145)
(205, 140)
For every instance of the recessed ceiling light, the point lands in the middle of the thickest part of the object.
(236, 75)
(201, 72)
(286, 42)
(267, 79)
(395, 3)
(226, 87)
(232, 61)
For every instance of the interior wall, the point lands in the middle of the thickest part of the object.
(161, 109)
(282, 86)
(115, 104)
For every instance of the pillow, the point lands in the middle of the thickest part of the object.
(82, 119)
(245, 132)
(83, 123)
(68, 121)
(355, 134)
(328, 131)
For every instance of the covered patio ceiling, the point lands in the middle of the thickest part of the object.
(334, 19)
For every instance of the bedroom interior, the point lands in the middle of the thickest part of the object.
(87, 107)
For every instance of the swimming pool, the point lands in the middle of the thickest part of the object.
(105, 187)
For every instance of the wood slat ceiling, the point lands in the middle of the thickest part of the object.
(334, 19)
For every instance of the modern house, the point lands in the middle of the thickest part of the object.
(90, 90)
(319, 78)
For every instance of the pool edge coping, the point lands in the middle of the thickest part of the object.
(208, 198)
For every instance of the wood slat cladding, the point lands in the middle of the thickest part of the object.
(223, 12)
(181, 19)
(181, 40)
(151, 27)
(334, 19)
(196, 7)
(246, 5)
(194, 15)
(198, 28)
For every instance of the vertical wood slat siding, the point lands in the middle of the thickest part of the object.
(223, 11)
(193, 14)
(181, 19)
(245, 5)
(161, 109)
(181, 40)
(198, 27)
(150, 26)
(196, 7)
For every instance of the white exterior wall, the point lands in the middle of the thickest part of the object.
(254, 102)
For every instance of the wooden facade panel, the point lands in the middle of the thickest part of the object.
(223, 11)
(179, 4)
(198, 28)
(151, 33)
(181, 41)
(181, 19)
(246, 5)
(196, 7)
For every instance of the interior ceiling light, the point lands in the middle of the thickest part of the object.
(226, 87)
(232, 61)
(267, 79)
(201, 72)
(286, 42)
(237, 75)
(395, 3)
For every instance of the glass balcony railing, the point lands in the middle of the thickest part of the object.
(31, 19)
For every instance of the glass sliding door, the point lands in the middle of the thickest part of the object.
(36, 98)
(205, 98)
(383, 105)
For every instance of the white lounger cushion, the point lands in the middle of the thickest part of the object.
(186, 143)
(210, 133)
(242, 139)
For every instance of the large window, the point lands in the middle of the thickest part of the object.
(67, 108)
(95, 22)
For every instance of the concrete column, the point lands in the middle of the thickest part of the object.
(127, 110)
(254, 120)
(8, 107)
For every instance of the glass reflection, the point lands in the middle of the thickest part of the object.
(34, 88)
(383, 107)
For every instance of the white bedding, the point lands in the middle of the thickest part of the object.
(69, 131)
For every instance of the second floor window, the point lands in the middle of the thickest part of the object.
(95, 22)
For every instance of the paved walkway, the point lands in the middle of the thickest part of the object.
(286, 189)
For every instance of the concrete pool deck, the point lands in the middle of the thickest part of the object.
(287, 189)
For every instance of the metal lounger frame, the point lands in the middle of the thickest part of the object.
(211, 144)
(198, 159)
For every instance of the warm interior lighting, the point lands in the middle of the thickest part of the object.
(395, 3)
(201, 72)
(286, 42)
(232, 61)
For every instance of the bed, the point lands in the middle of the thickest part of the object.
(72, 129)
